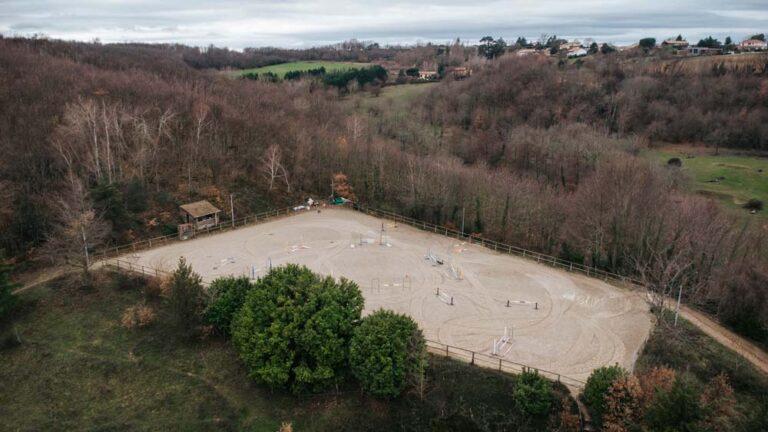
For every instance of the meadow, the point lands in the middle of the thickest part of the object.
(730, 177)
(395, 99)
(283, 68)
(78, 368)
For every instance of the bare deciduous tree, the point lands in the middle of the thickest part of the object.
(78, 230)
(273, 167)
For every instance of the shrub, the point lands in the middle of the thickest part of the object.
(7, 298)
(533, 394)
(718, 404)
(659, 378)
(387, 352)
(294, 328)
(676, 409)
(185, 297)
(569, 417)
(154, 287)
(675, 162)
(138, 316)
(125, 281)
(225, 297)
(597, 387)
(623, 404)
(754, 204)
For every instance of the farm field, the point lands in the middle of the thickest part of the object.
(556, 321)
(282, 68)
(740, 177)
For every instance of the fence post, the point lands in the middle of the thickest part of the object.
(473, 358)
(446, 350)
(499, 365)
(150, 243)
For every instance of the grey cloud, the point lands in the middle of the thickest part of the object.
(239, 24)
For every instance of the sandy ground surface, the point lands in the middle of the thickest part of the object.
(558, 321)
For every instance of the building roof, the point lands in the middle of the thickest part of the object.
(675, 42)
(200, 208)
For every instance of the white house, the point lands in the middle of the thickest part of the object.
(578, 52)
(753, 45)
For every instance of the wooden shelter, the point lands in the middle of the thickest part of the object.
(200, 214)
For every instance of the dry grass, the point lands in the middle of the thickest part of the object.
(138, 316)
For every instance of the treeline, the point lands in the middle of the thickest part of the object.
(132, 144)
(172, 57)
(220, 58)
(339, 79)
(718, 107)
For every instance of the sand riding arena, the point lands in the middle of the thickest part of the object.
(461, 294)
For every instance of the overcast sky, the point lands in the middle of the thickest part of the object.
(292, 23)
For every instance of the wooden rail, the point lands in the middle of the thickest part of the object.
(497, 363)
(554, 261)
(171, 238)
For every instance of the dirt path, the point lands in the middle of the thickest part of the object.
(729, 339)
(41, 277)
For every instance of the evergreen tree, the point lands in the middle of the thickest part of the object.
(186, 299)
(387, 352)
(294, 328)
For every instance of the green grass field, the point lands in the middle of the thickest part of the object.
(741, 180)
(283, 68)
(395, 98)
(78, 368)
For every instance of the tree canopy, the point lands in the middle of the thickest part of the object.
(490, 48)
(598, 384)
(533, 394)
(225, 297)
(709, 42)
(387, 353)
(647, 43)
(294, 328)
(186, 299)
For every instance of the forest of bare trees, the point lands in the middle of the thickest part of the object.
(536, 154)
